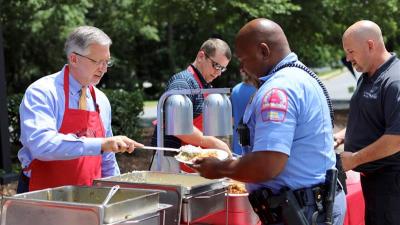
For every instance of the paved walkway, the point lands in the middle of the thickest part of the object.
(340, 88)
(148, 115)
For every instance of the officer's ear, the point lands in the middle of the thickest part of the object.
(264, 49)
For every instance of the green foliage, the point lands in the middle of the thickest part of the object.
(13, 102)
(154, 39)
(126, 107)
(34, 33)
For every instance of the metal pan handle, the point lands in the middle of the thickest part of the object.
(208, 196)
(139, 220)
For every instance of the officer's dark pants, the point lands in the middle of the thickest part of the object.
(382, 197)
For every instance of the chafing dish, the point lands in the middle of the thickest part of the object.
(81, 205)
(191, 196)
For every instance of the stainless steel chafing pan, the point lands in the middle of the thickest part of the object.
(78, 205)
(191, 196)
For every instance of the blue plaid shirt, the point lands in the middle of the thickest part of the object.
(184, 80)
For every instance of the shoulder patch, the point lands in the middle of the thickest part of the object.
(274, 105)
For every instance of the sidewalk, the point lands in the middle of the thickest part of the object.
(340, 88)
(148, 115)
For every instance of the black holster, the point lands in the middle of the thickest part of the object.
(330, 193)
(291, 210)
(266, 206)
(280, 208)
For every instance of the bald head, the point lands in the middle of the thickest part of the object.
(265, 39)
(264, 31)
(364, 46)
(365, 30)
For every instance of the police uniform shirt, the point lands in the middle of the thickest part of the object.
(375, 111)
(289, 114)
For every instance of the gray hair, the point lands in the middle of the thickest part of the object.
(83, 36)
(212, 44)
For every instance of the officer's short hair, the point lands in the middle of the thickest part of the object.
(82, 37)
(212, 44)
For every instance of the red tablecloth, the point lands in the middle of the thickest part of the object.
(355, 203)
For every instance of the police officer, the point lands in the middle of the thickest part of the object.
(371, 138)
(290, 129)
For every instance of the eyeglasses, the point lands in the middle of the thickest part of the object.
(108, 63)
(216, 65)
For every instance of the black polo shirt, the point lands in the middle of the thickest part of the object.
(375, 111)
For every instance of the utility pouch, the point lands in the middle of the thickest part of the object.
(244, 134)
(291, 212)
(266, 206)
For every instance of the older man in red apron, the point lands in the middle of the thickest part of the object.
(66, 121)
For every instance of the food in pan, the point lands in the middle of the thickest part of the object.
(236, 187)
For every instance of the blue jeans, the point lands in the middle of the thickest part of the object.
(339, 210)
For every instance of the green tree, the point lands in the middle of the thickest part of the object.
(34, 33)
(153, 39)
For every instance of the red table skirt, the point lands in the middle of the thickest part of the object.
(355, 202)
(235, 218)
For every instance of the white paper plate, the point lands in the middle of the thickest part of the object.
(221, 155)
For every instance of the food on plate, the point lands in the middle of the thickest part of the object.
(189, 153)
(236, 187)
(189, 148)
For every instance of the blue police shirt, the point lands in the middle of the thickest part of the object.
(241, 94)
(289, 114)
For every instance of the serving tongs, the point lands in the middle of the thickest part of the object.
(160, 148)
(111, 193)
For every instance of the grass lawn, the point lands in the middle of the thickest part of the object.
(150, 103)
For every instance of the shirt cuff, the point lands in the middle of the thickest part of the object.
(92, 146)
(277, 147)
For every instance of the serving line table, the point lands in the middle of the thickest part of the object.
(355, 200)
(238, 211)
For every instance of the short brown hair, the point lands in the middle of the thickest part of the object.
(212, 44)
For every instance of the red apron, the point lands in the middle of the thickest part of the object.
(197, 121)
(80, 171)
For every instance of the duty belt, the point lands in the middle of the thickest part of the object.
(308, 196)
(271, 207)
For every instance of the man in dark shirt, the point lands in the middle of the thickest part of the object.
(211, 61)
(372, 137)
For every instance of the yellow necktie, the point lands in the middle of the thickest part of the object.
(82, 99)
